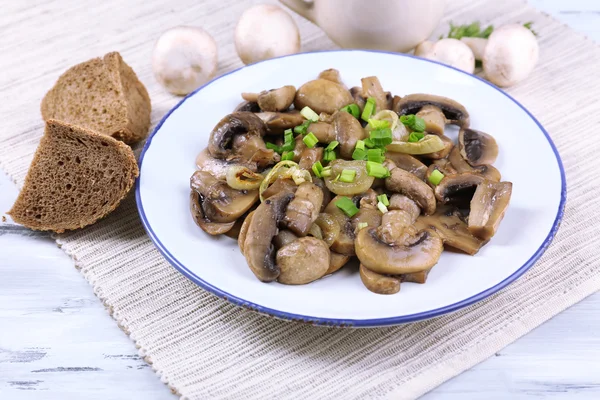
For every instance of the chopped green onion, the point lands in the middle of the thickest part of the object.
(309, 114)
(362, 225)
(381, 137)
(369, 109)
(415, 123)
(332, 145)
(414, 137)
(348, 175)
(347, 206)
(378, 123)
(369, 143)
(382, 207)
(287, 147)
(377, 170)
(288, 155)
(359, 151)
(310, 140)
(352, 109)
(288, 142)
(273, 146)
(436, 177)
(376, 155)
(329, 155)
(302, 129)
(382, 198)
(317, 168)
(326, 172)
(359, 154)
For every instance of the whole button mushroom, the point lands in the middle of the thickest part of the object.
(184, 58)
(452, 52)
(510, 55)
(265, 31)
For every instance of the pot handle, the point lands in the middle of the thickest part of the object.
(302, 7)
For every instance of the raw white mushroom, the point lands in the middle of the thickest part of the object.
(476, 44)
(452, 52)
(184, 58)
(511, 54)
(265, 31)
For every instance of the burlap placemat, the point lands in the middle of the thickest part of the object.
(203, 347)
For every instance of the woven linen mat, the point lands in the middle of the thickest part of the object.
(202, 346)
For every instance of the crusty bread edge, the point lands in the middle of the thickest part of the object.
(124, 148)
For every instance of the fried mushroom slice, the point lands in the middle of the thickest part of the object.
(418, 252)
(378, 283)
(403, 182)
(488, 207)
(454, 112)
(273, 100)
(459, 163)
(477, 148)
(322, 95)
(212, 228)
(304, 260)
(304, 209)
(258, 247)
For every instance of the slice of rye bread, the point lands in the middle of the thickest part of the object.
(76, 177)
(103, 95)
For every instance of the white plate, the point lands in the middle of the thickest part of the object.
(527, 158)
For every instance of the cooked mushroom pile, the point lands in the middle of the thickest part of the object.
(307, 179)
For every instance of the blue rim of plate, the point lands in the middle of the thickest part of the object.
(353, 322)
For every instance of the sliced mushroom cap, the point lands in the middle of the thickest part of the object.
(403, 182)
(236, 229)
(309, 156)
(302, 261)
(448, 146)
(434, 118)
(250, 106)
(358, 97)
(258, 249)
(323, 131)
(371, 87)
(459, 163)
(477, 148)
(415, 277)
(304, 209)
(326, 193)
(237, 123)
(369, 216)
(283, 238)
(280, 186)
(218, 167)
(273, 100)
(393, 228)
(244, 231)
(366, 199)
(249, 148)
(219, 202)
(277, 122)
(446, 222)
(344, 243)
(332, 75)
(322, 95)
(347, 131)
(443, 165)
(378, 283)
(420, 253)
(401, 202)
(330, 229)
(488, 206)
(458, 189)
(212, 228)
(336, 262)
(408, 163)
(454, 112)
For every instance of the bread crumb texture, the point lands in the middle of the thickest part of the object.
(103, 95)
(77, 176)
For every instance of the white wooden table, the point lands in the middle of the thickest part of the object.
(58, 342)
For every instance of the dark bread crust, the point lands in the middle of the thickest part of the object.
(77, 176)
(103, 95)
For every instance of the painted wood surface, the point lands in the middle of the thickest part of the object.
(58, 342)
